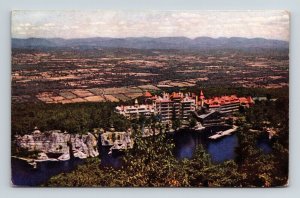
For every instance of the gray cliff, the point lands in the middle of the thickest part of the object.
(55, 143)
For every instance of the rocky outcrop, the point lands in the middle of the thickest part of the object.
(64, 157)
(56, 143)
(42, 156)
(86, 144)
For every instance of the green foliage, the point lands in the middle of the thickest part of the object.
(74, 118)
(264, 169)
(193, 122)
(151, 163)
(176, 123)
(20, 152)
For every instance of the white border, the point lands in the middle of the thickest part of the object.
(7, 6)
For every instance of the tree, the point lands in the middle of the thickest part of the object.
(176, 123)
(153, 164)
(193, 122)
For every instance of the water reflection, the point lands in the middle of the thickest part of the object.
(223, 149)
(265, 144)
(220, 150)
(186, 142)
(24, 175)
(114, 160)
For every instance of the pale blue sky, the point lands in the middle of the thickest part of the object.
(81, 24)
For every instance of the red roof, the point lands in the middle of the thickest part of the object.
(147, 94)
(175, 95)
(251, 101)
(223, 100)
(243, 100)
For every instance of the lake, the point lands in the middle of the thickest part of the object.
(186, 142)
(24, 175)
(220, 150)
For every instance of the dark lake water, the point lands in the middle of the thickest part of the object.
(186, 142)
(24, 175)
(264, 144)
(223, 149)
(220, 150)
(114, 160)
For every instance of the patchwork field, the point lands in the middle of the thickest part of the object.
(62, 75)
(95, 95)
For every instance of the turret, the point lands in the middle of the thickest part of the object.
(201, 97)
(136, 103)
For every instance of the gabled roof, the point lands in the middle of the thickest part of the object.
(147, 94)
(250, 100)
(247, 100)
(223, 100)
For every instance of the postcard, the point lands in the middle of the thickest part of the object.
(118, 98)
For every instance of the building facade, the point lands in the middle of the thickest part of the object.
(178, 105)
(135, 111)
(228, 104)
(174, 106)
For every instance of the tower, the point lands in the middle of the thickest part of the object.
(201, 97)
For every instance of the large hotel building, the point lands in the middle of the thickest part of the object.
(179, 105)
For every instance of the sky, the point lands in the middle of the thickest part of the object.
(119, 24)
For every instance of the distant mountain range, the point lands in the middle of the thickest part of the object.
(199, 43)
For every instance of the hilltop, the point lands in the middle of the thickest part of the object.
(199, 43)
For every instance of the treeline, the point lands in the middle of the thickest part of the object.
(265, 169)
(73, 118)
(259, 168)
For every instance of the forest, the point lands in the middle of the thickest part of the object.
(73, 118)
(151, 162)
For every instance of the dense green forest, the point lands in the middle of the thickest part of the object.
(152, 163)
(73, 118)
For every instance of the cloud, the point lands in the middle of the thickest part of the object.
(79, 24)
(98, 23)
(49, 24)
(24, 24)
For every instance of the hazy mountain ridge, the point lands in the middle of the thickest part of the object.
(152, 43)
